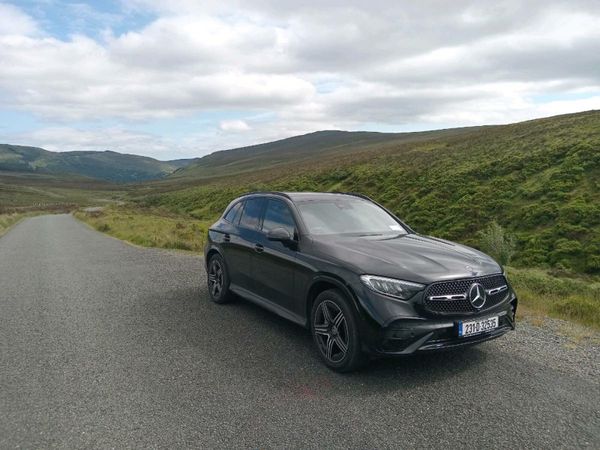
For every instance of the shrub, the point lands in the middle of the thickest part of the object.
(497, 243)
(103, 227)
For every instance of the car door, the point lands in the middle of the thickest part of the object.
(275, 262)
(245, 244)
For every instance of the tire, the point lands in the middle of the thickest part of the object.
(334, 328)
(218, 280)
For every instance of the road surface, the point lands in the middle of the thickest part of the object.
(109, 345)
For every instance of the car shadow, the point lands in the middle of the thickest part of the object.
(248, 342)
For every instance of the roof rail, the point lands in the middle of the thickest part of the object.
(282, 194)
(354, 194)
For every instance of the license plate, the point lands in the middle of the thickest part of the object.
(477, 326)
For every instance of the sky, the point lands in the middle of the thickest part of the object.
(185, 78)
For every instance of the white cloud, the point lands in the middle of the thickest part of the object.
(81, 78)
(111, 138)
(304, 66)
(14, 22)
(234, 125)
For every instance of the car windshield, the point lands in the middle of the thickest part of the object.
(347, 215)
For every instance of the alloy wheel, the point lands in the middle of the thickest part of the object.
(215, 278)
(331, 330)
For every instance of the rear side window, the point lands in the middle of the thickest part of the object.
(251, 214)
(278, 215)
(233, 213)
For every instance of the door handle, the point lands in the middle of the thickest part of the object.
(227, 238)
(259, 248)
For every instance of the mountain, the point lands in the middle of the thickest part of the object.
(299, 149)
(539, 179)
(102, 165)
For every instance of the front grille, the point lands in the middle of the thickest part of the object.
(460, 288)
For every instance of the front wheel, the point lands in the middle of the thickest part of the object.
(218, 280)
(335, 332)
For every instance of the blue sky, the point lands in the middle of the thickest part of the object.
(186, 78)
(62, 19)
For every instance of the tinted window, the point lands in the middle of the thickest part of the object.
(251, 214)
(347, 215)
(278, 215)
(232, 214)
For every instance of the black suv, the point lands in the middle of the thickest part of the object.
(360, 279)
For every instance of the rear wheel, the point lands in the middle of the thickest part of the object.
(218, 280)
(335, 332)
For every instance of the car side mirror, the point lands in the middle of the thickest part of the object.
(279, 234)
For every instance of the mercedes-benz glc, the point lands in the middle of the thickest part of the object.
(361, 280)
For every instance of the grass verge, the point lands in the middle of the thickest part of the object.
(541, 294)
(544, 294)
(148, 227)
(10, 219)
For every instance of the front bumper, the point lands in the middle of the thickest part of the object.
(409, 336)
(390, 327)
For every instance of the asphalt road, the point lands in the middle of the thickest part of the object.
(109, 345)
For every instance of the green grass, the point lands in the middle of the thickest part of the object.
(544, 294)
(42, 191)
(148, 227)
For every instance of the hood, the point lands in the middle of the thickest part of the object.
(410, 257)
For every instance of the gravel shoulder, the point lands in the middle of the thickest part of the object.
(110, 345)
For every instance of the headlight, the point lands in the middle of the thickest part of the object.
(392, 287)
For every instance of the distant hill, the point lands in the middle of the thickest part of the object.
(123, 168)
(299, 149)
(180, 163)
(101, 165)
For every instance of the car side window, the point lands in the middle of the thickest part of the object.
(278, 215)
(252, 211)
(233, 213)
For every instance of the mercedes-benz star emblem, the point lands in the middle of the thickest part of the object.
(477, 295)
